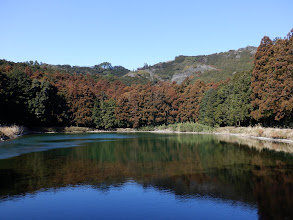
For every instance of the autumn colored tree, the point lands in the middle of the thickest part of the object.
(260, 76)
(162, 104)
(272, 80)
(142, 105)
(190, 101)
(128, 106)
(172, 102)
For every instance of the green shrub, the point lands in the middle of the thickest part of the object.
(179, 127)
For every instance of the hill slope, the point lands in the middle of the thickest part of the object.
(214, 67)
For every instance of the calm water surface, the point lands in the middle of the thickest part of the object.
(142, 176)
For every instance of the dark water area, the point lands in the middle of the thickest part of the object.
(142, 176)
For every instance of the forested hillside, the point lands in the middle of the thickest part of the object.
(36, 94)
(209, 68)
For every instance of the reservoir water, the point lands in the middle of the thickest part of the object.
(144, 176)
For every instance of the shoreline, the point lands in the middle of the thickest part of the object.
(221, 133)
(287, 141)
(258, 143)
(132, 130)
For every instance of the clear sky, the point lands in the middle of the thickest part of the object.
(133, 32)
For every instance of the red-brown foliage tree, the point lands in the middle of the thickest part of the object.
(272, 79)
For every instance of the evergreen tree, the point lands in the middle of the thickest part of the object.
(45, 104)
(222, 104)
(240, 102)
(108, 114)
(16, 109)
(97, 115)
(3, 97)
(207, 108)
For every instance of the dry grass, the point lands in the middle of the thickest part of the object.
(9, 132)
(258, 131)
(257, 144)
(60, 129)
(77, 129)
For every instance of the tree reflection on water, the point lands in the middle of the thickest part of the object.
(186, 165)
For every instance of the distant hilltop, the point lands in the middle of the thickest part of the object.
(214, 67)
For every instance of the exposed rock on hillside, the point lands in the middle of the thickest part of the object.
(200, 69)
(214, 67)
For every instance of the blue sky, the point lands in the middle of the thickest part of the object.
(131, 33)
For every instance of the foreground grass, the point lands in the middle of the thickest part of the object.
(10, 132)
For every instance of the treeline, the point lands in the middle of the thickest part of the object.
(104, 68)
(39, 96)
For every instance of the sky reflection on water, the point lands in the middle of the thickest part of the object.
(129, 201)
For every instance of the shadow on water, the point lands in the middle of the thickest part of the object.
(44, 142)
(188, 166)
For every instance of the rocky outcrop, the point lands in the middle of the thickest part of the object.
(214, 67)
(199, 69)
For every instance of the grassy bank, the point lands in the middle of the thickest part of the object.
(180, 127)
(258, 131)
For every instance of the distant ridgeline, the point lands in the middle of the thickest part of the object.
(241, 87)
(209, 68)
(104, 69)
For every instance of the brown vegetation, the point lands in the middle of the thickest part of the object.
(259, 131)
(9, 132)
(255, 143)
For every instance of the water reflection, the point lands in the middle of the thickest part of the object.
(44, 142)
(127, 201)
(187, 166)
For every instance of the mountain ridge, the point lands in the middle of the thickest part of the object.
(213, 67)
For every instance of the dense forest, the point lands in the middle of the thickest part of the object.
(34, 94)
